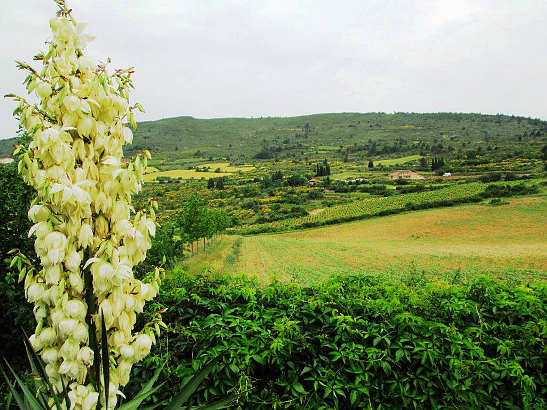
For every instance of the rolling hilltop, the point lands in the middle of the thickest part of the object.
(373, 133)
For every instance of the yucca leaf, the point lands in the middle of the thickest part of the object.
(190, 387)
(64, 393)
(13, 392)
(153, 406)
(29, 397)
(96, 364)
(8, 400)
(145, 392)
(220, 404)
(38, 368)
(105, 360)
(135, 403)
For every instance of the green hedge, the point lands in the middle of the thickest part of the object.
(358, 342)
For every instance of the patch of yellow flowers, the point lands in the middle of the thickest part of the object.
(88, 236)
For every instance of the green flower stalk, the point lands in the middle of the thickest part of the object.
(88, 236)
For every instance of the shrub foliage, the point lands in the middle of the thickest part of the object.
(361, 342)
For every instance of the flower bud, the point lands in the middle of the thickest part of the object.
(106, 310)
(43, 90)
(85, 355)
(120, 211)
(52, 295)
(40, 313)
(50, 355)
(126, 351)
(57, 316)
(75, 309)
(52, 371)
(127, 135)
(76, 282)
(35, 292)
(85, 237)
(42, 229)
(147, 291)
(72, 103)
(69, 368)
(142, 346)
(55, 240)
(47, 336)
(70, 118)
(80, 333)
(72, 261)
(69, 350)
(124, 371)
(52, 274)
(56, 173)
(34, 342)
(38, 213)
(66, 327)
(64, 30)
(123, 322)
(117, 338)
(90, 401)
(101, 227)
(129, 302)
(86, 64)
(85, 126)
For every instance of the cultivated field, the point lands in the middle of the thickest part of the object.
(397, 161)
(508, 241)
(225, 170)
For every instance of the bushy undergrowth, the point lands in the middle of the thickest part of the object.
(358, 342)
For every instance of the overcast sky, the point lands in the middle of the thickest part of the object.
(223, 58)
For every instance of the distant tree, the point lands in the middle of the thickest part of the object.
(189, 220)
(423, 163)
(220, 183)
(211, 183)
(370, 164)
(437, 163)
(296, 180)
(277, 176)
(307, 129)
(264, 154)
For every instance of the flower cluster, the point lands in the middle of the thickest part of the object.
(88, 236)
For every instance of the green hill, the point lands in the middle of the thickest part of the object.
(368, 134)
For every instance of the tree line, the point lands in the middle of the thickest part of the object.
(194, 223)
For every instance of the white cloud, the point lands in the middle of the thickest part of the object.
(288, 57)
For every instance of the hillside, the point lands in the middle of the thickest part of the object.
(352, 133)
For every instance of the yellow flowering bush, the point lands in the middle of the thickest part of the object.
(88, 236)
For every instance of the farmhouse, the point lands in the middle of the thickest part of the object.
(447, 174)
(405, 174)
(6, 160)
(314, 181)
(355, 181)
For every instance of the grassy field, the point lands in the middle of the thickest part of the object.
(216, 256)
(396, 161)
(226, 167)
(225, 170)
(504, 241)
